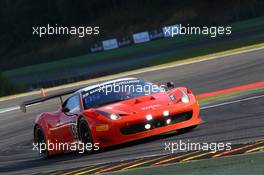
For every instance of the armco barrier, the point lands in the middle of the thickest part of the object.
(96, 48)
(156, 34)
(124, 42)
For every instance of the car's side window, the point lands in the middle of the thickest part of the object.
(73, 104)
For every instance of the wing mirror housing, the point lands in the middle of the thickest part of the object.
(65, 110)
(170, 85)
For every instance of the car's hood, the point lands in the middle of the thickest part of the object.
(139, 105)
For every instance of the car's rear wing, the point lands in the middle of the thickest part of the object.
(24, 105)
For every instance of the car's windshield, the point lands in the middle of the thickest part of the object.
(118, 91)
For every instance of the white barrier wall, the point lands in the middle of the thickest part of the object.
(110, 44)
(141, 37)
(171, 31)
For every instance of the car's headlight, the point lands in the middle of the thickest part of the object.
(185, 98)
(108, 115)
(166, 113)
(114, 116)
(149, 117)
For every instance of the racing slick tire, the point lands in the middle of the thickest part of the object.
(85, 135)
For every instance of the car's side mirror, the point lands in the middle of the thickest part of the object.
(170, 85)
(65, 110)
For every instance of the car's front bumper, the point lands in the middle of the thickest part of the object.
(119, 132)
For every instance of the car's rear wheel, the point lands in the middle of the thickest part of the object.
(40, 139)
(85, 134)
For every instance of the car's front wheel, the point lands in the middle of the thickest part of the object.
(85, 135)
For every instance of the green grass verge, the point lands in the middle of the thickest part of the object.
(122, 52)
(248, 24)
(101, 56)
(207, 49)
(241, 164)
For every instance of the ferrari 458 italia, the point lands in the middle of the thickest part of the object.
(115, 112)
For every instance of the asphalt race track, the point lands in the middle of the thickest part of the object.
(236, 123)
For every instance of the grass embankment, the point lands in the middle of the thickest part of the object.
(102, 56)
(8, 88)
(138, 71)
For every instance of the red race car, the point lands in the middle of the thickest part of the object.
(112, 113)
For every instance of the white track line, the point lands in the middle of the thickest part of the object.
(202, 108)
(9, 109)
